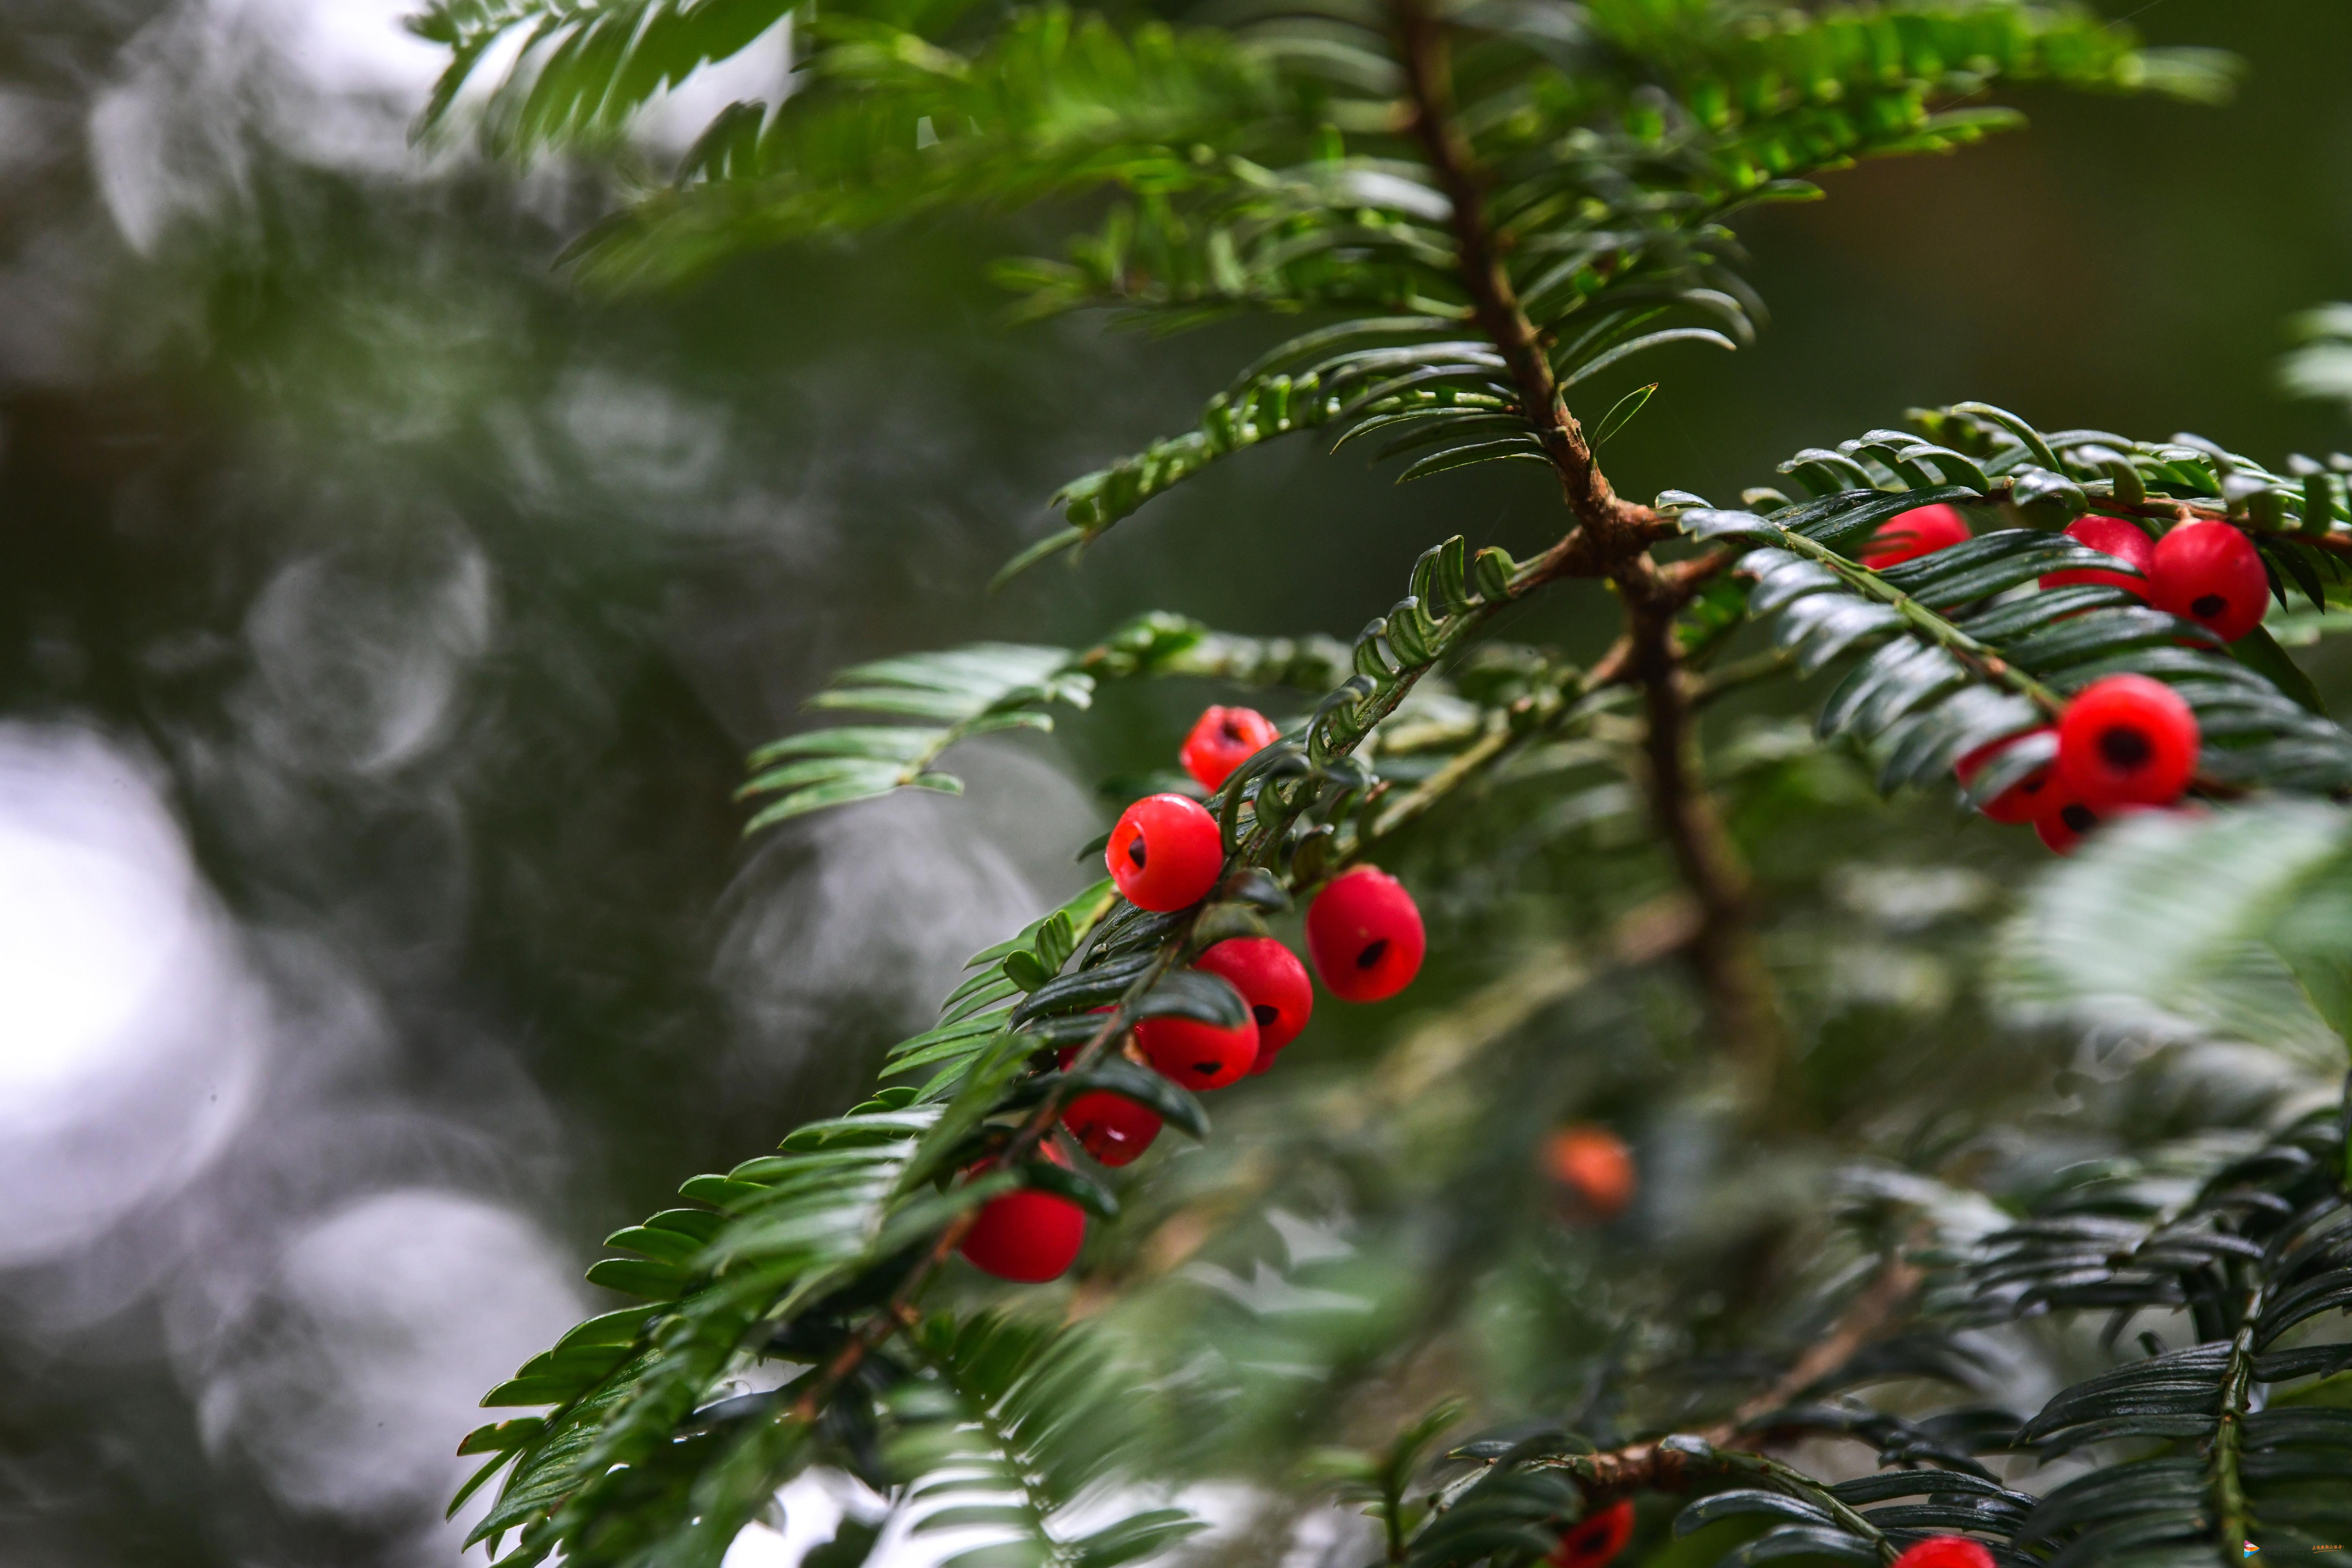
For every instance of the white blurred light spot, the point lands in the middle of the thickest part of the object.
(811, 1512)
(133, 1037)
(362, 1367)
(86, 934)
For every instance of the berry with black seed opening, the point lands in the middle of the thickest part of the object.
(1110, 1126)
(1595, 1539)
(1223, 740)
(1272, 981)
(1197, 1055)
(1594, 1172)
(2113, 536)
(1165, 853)
(2127, 740)
(2021, 802)
(1364, 935)
(1907, 535)
(1028, 1237)
(1946, 1552)
(2209, 572)
(2065, 819)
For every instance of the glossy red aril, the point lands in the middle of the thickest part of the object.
(1196, 1055)
(1364, 935)
(1272, 981)
(1595, 1539)
(2065, 819)
(1946, 1552)
(2210, 573)
(2110, 536)
(1223, 740)
(2021, 802)
(1110, 1126)
(1594, 1170)
(1027, 1236)
(2127, 740)
(1165, 853)
(1907, 535)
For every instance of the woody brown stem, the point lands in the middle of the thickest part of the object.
(1723, 946)
(1658, 1466)
(1609, 527)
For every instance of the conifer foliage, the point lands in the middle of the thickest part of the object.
(1476, 206)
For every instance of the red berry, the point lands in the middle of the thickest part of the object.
(1272, 981)
(1223, 740)
(1364, 935)
(2021, 802)
(2210, 573)
(1025, 1235)
(2065, 819)
(1907, 535)
(1946, 1552)
(1197, 1055)
(1165, 853)
(2127, 740)
(1596, 1537)
(1594, 1171)
(1110, 1126)
(2110, 536)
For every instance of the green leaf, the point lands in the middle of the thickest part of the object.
(2258, 652)
(1621, 414)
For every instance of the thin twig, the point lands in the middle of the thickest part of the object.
(1609, 526)
(1660, 1465)
(1723, 947)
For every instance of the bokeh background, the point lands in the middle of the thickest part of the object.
(383, 622)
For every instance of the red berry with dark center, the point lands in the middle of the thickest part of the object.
(1111, 1127)
(1907, 535)
(1165, 853)
(1272, 981)
(1223, 740)
(2065, 819)
(1596, 1537)
(1364, 935)
(1946, 1552)
(2210, 573)
(2109, 536)
(1198, 1056)
(2127, 740)
(1027, 1236)
(2021, 802)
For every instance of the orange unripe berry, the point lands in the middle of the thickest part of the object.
(1594, 1170)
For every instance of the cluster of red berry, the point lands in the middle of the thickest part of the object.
(1364, 933)
(1597, 1537)
(2125, 743)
